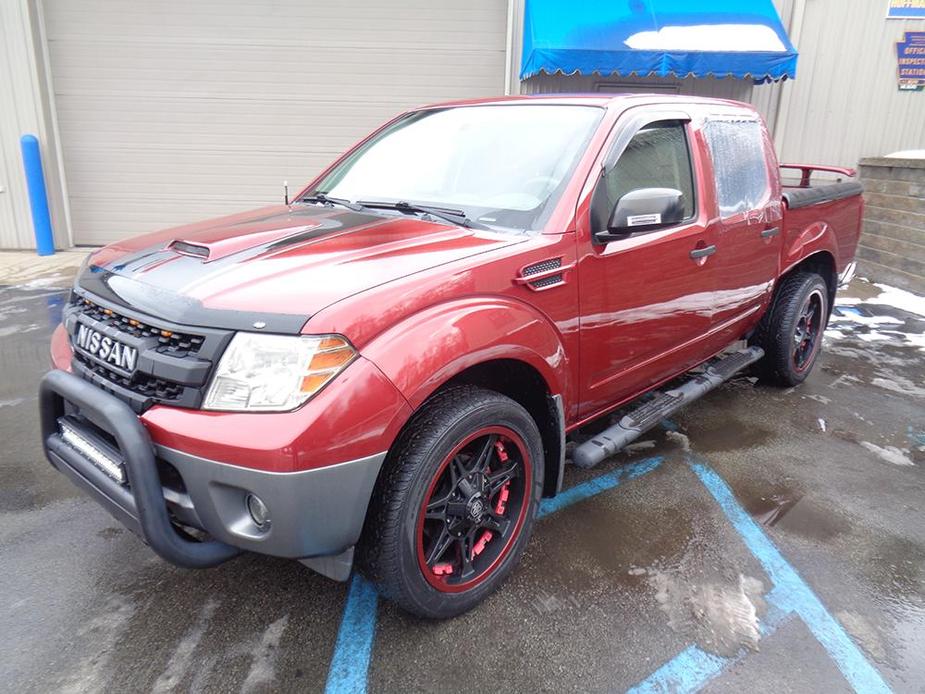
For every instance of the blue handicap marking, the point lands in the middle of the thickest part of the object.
(689, 671)
(349, 668)
(592, 487)
(354, 645)
(693, 668)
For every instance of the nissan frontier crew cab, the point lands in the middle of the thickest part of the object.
(384, 371)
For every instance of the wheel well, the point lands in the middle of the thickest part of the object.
(823, 264)
(523, 384)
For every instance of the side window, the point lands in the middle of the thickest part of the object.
(737, 150)
(656, 157)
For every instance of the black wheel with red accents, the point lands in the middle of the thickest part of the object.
(454, 506)
(791, 333)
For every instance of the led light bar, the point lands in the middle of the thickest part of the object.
(105, 462)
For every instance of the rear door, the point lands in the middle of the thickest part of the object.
(645, 301)
(749, 228)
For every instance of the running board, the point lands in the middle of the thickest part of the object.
(636, 422)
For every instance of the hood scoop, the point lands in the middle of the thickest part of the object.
(193, 249)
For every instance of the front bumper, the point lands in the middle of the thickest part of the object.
(313, 513)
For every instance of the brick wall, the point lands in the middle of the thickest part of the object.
(892, 247)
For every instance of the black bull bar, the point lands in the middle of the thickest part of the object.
(139, 505)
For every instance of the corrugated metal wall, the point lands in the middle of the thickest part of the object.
(23, 110)
(721, 89)
(844, 103)
(173, 111)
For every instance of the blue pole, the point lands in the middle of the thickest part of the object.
(38, 196)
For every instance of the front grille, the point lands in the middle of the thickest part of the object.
(169, 342)
(143, 384)
(173, 363)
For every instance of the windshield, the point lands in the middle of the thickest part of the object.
(503, 165)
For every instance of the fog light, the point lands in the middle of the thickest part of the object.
(260, 514)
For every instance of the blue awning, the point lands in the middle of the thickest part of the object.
(702, 38)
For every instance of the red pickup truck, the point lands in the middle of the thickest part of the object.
(387, 367)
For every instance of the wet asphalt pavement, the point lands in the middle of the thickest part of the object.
(613, 587)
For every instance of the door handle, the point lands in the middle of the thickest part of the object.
(770, 233)
(703, 252)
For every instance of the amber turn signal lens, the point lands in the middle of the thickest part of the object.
(333, 354)
(330, 360)
(313, 382)
(329, 343)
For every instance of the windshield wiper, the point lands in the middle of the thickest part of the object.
(455, 217)
(319, 196)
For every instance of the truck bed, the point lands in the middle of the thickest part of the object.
(805, 192)
(809, 204)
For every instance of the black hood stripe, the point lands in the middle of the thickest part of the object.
(154, 280)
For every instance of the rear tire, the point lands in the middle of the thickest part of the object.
(454, 506)
(791, 332)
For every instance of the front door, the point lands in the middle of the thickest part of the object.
(646, 300)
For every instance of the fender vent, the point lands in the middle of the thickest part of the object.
(547, 281)
(543, 266)
(544, 274)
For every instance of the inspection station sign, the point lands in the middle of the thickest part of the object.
(911, 55)
(906, 9)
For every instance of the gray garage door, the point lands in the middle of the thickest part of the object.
(173, 111)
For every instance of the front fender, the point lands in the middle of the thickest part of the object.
(427, 349)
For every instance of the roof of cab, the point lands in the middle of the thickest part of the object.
(600, 100)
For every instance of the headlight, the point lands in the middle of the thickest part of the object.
(275, 373)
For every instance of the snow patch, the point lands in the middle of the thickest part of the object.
(744, 38)
(899, 298)
(890, 454)
(681, 439)
(263, 667)
(182, 656)
(719, 618)
(898, 384)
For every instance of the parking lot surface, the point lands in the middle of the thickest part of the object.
(762, 539)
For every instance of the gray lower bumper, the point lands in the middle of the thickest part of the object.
(313, 513)
(96, 440)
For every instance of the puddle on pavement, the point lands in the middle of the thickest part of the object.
(726, 434)
(27, 319)
(599, 541)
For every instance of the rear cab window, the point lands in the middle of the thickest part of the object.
(739, 163)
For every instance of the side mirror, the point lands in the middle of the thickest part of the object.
(644, 209)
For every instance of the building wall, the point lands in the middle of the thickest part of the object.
(175, 111)
(892, 247)
(24, 110)
(844, 104)
(722, 89)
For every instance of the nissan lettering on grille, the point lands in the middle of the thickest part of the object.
(106, 349)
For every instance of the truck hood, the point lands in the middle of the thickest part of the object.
(277, 265)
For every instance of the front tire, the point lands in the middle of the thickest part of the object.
(455, 505)
(791, 333)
